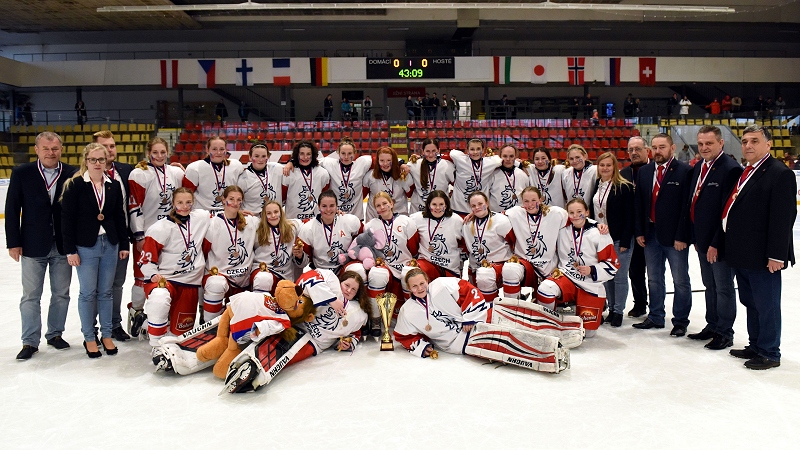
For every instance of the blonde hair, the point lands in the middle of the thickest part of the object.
(383, 194)
(156, 140)
(286, 228)
(542, 207)
(83, 168)
(488, 211)
(241, 222)
(616, 178)
(103, 134)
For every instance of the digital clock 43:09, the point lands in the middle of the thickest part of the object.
(406, 68)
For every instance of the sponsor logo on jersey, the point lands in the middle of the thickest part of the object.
(185, 322)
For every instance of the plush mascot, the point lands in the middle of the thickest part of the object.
(253, 316)
(366, 247)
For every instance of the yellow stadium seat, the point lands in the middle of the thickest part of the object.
(32, 150)
(123, 127)
(23, 139)
(74, 160)
(33, 158)
(114, 127)
(151, 127)
(67, 128)
(40, 129)
(129, 148)
(95, 128)
(141, 127)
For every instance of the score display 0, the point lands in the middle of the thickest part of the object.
(410, 68)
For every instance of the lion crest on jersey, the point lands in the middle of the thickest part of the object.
(476, 247)
(267, 193)
(535, 247)
(448, 321)
(472, 186)
(439, 245)
(574, 261)
(347, 196)
(391, 247)
(328, 320)
(305, 203)
(508, 198)
(281, 258)
(187, 258)
(216, 194)
(237, 253)
(165, 200)
(335, 250)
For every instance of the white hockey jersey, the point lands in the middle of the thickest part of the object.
(471, 176)
(261, 186)
(440, 240)
(450, 304)
(440, 176)
(278, 255)
(151, 195)
(579, 184)
(324, 244)
(175, 251)
(537, 236)
(301, 190)
(347, 182)
(398, 189)
(490, 238)
(230, 250)
(549, 184)
(506, 188)
(587, 247)
(253, 310)
(208, 181)
(402, 241)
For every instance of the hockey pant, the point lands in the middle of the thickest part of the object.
(171, 309)
(516, 275)
(589, 307)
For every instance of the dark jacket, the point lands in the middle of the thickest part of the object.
(672, 207)
(619, 212)
(125, 172)
(707, 225)
(79, 216)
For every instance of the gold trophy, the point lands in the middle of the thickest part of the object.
(513, 259)
(386, 304)
(298, 243)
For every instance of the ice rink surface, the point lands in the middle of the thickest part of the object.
(626, 389)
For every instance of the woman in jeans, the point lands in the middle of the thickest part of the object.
(94, 231)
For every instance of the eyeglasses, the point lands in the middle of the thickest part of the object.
(96, 160)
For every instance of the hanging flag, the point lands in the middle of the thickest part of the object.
(169, 73)
(243, 74)
(207, 76)
(539, 71)
(575, 66)
(319, 71)
(612, 71)
(502, 69)
(647, 71)
(281, 71)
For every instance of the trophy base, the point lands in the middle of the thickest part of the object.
(387, 346)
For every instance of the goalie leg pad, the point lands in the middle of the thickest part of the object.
(214, 290)
(486, 280)
(523, 315)
(513, 274)
(518, 347)
(264, 360)
(264, 281)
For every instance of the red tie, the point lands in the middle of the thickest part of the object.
(703, 174)
(656, 188)
(735, 192)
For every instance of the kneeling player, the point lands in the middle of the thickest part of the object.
(586, 260)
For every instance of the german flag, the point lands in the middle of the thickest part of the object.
(319, 71)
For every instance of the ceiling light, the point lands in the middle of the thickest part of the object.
(294, 29)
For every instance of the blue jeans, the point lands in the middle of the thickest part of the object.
(656, 256)
(617, 289)
(96, 277)
(720, 296)
(33, 271)
(116, 292)
(760, 293)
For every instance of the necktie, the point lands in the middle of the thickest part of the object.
(703, 174)
(735, 192)
(656, 188)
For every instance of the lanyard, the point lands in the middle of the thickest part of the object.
(543, 181)
(576, 181)
(479, 174)
(604, 195)
(389, 231)
(220, 186)
(329, 236)
(276, 235)
(187, 238)
(702, 179)
(235, 234)
(49, 185)
(666, 166)
(100, 196)
(480, 232)
(424, 302)
(432, 234)
(432, 172)
(511, 180)
(388, 187)
(538, 223)
(349, 172)
(162, 186)
(577, 242)
(111, 172)
(741, 182)
(264, 181)
(308, 181)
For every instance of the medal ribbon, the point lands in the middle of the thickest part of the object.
(162, 186)
(187, 238)
(264, 181)
(576, 181)
(308, 181)
(235, 234)
(480, 232)
(604, 195)
(55, 180)
(220, 186)
(387, 187)
(478, 175)
(329, 236)
(349, 172)
(276, 236)
(538, 222)
(100, 196)
(576, 243)
(389, 231)
(431, 234)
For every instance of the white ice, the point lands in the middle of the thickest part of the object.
(626, 389)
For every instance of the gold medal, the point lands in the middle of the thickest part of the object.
(311, 198)
(347, 195)
(600, 215)
(330, 253)
(188, 258)
(100, 217)
(218, 199)
(430, 249)
(235, 253)
(164, 202)
(428, 327)
(480, 250)
(344, 322)
(735, 194)
(390, 253)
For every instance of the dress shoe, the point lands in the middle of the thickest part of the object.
(637, 311)
(26, 352)
(58, 342)
(759, 363)
(647, 324)
(744, 353)
(678, 331)
(704, 335)
(119, 334)
(616, 320)
(719, 343)
(110, 351)
(92, 355)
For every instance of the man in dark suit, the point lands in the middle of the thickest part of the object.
(662, 228)
(33, 236)
(712, 181)
(119, 172)
(758, 218)
(638, 151)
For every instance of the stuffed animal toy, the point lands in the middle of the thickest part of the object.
(252, 316)
(366, 247)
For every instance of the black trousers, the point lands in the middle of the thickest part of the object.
(636, 273)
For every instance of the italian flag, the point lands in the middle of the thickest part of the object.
(502, 69)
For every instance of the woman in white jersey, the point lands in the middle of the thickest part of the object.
(328, 236)
(489, 238)
(440, 240)
(429, 173)
(387, 176)
(508, 180)
(261, 180)
(579, 179)
(276, 255)
(473, 173)
(306, 181)
(546, 176)
(208, 177)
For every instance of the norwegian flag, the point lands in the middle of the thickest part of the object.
(575, 68)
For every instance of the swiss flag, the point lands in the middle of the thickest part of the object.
(647, 71)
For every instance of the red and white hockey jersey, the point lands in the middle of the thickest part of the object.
(579, 184)
(301, 190)
(175, 251)
(398, 189)
(506, 188)
(231, 250)
(324, 243)
(471, 176)
(440, 176)
(549, 184)
(402, 241)
(261, 186)
(256, 310)
(450, 304)
(537, 236)
(490, 238)
(587, 247)
(440, 240)
(347, 182)
(151, 195)
(208, 181)
(278, 255)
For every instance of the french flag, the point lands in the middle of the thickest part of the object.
(281, 71)
(207, 75)
(169, 73)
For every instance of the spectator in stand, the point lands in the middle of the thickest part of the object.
(347, 109)
(697, 159)
(672, 103)
(426, 104)
(503, 110)
(726, 106)
(628, 106)
(434, 107)
(685, 104)
(780, 105)
(595, 118)
(27, 113)
(80, 109)
(736, 104)
(714, 108)
(418, 108)
(454, 106)
(327, 107)
(769, 107)
(760, 105)
(366, 106)
(588, 106)
(221, 111)
(409, 105)
(244, 111)
(575, 108)
(445, 105)
(637, 108)
(685, 154)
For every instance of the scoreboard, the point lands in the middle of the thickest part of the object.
(410, 68)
